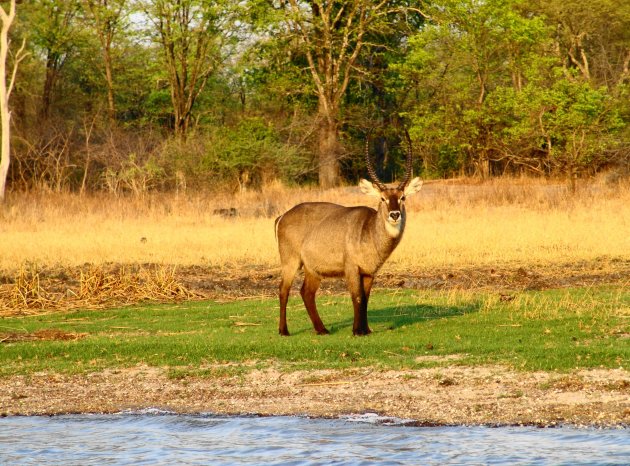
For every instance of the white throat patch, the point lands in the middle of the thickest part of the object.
(393, 230)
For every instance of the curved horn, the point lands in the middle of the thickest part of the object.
(370, 167)
(408, 165)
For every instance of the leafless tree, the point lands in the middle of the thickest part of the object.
(5, 91)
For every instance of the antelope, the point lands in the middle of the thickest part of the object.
(330, 240)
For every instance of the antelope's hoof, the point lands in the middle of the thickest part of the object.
(323, 332)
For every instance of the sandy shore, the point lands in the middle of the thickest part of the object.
(441, 396)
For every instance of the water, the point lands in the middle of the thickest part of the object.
(158, 438)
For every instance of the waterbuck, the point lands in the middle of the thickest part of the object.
(330, 240)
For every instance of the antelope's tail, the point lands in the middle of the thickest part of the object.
(277, 222)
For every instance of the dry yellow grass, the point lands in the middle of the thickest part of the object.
(450, 225)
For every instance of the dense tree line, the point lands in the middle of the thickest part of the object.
(134, 95)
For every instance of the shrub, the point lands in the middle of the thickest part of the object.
(247, 155)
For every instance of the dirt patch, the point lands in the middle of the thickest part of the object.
(445, 396)
(261, 282)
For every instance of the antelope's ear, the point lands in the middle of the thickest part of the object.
(369, 188)
(413, 187)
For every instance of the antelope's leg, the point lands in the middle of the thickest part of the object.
(357, 285)
(288, 274)
(367, 281)
(309, 288)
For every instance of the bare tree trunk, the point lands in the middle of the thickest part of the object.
(328, 154)
(484, 167)
(582, 61)
(52, 71)
(111, 108)
(5, 115)
(181, 113)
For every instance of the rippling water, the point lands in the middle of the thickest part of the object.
(158, 438)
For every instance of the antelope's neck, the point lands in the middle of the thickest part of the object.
(386, 235)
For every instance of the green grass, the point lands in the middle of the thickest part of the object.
(548, 330)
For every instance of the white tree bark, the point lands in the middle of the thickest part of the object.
(5, 92)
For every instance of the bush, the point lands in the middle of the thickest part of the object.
(247, 155)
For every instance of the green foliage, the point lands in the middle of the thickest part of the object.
(248, 154)
(489, 94)
(485, 88)
(135, 176)
(552, 330)
(576, 120)
(252, 153)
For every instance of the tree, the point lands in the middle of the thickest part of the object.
(493, 93)
(193, 35)
(593, 37)
(572, 123)
(106, 17)
(456, 63)
(332, 35)
(54, 31)
(5, 92)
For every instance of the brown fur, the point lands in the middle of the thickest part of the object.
(330, 240)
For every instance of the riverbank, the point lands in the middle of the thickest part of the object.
(488, 395)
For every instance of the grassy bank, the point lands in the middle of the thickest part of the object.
(550, 330)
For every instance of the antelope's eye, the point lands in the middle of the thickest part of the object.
(383, 199)
(402, 198)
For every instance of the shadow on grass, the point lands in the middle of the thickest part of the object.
(398, 316)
